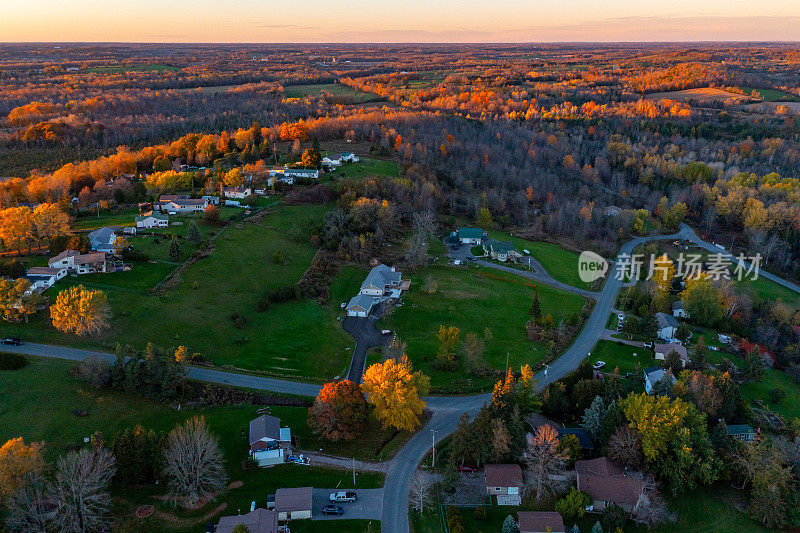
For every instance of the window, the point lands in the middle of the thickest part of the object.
(498, 489)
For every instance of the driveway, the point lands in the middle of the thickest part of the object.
(365, 333)
(369, 505)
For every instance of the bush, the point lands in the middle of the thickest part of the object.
(776, 395)
(614, 517)
(12, 361)
(239, 320)
(479, 513)
(274, 296)
(93, 370)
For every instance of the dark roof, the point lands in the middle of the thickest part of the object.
(470, 233)
(740, 429)
(584, 437)
(294, 499)
(258, 521)
(605, 481)
(664, 320)
(539, 521)
(265, 426)
(503, 475)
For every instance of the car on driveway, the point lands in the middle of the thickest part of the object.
(598, 365)
(466, 468)
(337, 510)
(13, 341)
(340, 497)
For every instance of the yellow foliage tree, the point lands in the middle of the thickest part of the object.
(663, 272)
(16, 460)
(657, 419)
(81, 311)
(396, 392)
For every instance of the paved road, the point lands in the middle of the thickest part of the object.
(366, 335)
(368, 506)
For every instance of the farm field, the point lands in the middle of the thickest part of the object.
(197, 313)
(366, 168)
(702, 95)
(773, 95)
(40, 399)
(336, 89)
(135, 67)
(474, 299)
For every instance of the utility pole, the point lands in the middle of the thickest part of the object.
(433, 438)
(354, 472)
(507, 361)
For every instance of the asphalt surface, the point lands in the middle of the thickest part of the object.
(368, 506)
(366, 335)
(446, 410)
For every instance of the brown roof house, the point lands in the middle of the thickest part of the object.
(505, 482)
(294, 504)
(540, 522)
(258, 521)
(606, 483)
(268, 440)
(663, 350)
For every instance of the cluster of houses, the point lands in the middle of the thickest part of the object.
(285, 505)
(502, 251)
(382, 284)
(335, 161)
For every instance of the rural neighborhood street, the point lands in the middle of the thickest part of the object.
(446, 410)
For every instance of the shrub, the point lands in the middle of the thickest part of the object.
(274, 296)
(277, 258)
(93, 370)
(239, 320)
(776, 395)
(12, 361)
(479, 513)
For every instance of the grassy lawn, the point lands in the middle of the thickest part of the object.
(474, 299)
(621, 355)
(764, 289)
(38, 404)
(772, 95)
(337, 89)
(367, 168)
(89, 220)
(788, 407)
(197, 312)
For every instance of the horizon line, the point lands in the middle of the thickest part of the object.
(433, 43)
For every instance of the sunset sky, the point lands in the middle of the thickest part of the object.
(406, 21)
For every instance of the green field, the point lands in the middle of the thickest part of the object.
(773, 95)
(336, 89)
(474, 299)
(621, 355)
(38, 402)
(197, 312)
(366, 168)
(135, 67)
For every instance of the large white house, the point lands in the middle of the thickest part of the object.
(151, 219)
(470, 235)
(268, 440)
(103, 239)
(170, 203)
(77, 263)
(380, 280)
(237, 192)
(42, 278)
(667, 326)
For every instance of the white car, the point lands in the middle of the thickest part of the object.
(340, 497)
(598, 365)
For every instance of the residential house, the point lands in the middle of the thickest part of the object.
(65, 259)
(724, 339)
(268, 440)
(56, 272)
(332, 161)
(294, 503)
(663, 350)
(540, 522)
(505, 482)
(43, 278)
(151, 219)
(360, 305)
(237, 192)
(77, 263)
(667, 326)
(103, 239)
(502, 251)
(471, 236)
(310, 173)
(349, 157)
(607, 483)
(653, 375)
(742, 432)
(212, 200)
(678, 311)
(380, 281)
(173, 204)
(257, 521)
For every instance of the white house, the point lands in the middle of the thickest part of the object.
(502, 251)
(74, 262)
(103, 239)
(667, 326)
(470, 235)
(653, 375)
(678, 310)
(237, 192)
(42, 278)
(268, 440)
(151, 219)
(171, 203)
(380, 280)
(212, 200)
(310, 173)
(294, 503)
(360, 305)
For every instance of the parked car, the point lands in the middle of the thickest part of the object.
(345, 496)
(598, 365)
(14, 341)
(466, 468)
(648, 345)
(337, 510)
(385, 331)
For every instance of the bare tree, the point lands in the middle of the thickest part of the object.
(650, 508)
(420, 491)
(625, 447)
(30, 509)
(80, 488)
(193, 462)
(545, 462)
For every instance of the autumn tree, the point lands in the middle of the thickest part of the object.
(339, 412)
(211, 215)
(702, 300)
(449, 337)
(49, 220)
(484, 219)
(17, 460)
(767, 469)
(663, 274)
(81, 490)
(545, 463)
(193, 462)
(396, 391)
(311, 158)
(80, 311)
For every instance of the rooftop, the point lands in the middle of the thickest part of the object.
(293, 499)
(470, 233)
(538, 521)
(258, 521)
(604, 480)
(506, 475)
(381, 276)
(265, 426)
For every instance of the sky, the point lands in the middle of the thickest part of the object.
(328, 21)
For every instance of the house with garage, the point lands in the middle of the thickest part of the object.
(540, 522)
(77, 263)
(505, 482)
(667, 326)
(174, 204)
(606, 482)
(269, 442)
(293, 503)
(382, 281)
(360, 305)
(152, 219)
(103, 239)
(43, 278)
(663, 350)
(256, 521)
(500, 250)
(471, 236)
(239, 193)
(654, 374)
(678, 311)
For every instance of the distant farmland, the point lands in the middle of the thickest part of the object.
(136, 67)
(703, 95)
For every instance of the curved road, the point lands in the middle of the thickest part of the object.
(446, 410)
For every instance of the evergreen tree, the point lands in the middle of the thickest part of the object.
(536, 309)
(174, 250)
(510, 525)
(193, 234)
